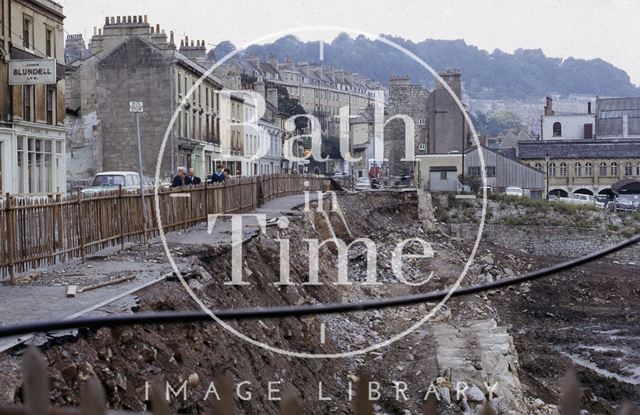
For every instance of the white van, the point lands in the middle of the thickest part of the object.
(514, 191)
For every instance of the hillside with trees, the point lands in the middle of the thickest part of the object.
(525, 73)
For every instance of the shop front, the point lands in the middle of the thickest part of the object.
(32, 159)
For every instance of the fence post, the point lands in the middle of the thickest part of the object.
(56, 226)
(206, 199)
(121, 216)
(10, 223)
(80, 225)
(36, 382)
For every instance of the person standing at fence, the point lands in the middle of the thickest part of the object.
(193, 179)
(218, 175)
(181, 178)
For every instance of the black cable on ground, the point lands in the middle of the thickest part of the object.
(299, 311)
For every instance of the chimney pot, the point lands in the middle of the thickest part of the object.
(181, 44)
(140, 19)
(157, 28)
(99, 32)
(118, 20)
(151, 29)
(106, 21)
(171, 38)
(145, 18)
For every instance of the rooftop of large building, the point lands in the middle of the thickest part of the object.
(578, 149)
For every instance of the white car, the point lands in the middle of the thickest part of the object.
(363, 183)
(580, 199)
(514, 191)
(112, 180)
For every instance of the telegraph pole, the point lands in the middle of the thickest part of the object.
(137, 107)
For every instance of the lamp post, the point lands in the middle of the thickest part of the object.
(137, 107)
(546, 159)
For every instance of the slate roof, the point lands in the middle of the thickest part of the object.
(610, 112)
(577, 149)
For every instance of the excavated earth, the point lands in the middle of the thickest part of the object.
(526, 337)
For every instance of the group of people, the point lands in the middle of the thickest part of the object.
(183, 179)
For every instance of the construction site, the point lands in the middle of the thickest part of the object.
(516, 347)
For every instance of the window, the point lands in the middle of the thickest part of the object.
(474, 171)
(49, 43)
(491, 171)
(443, 175)
(577, 168)
(557, 129)
(603, 169)
(27, 29)
(50, 104)
(27, 102)
(638, 170)
(538, 166)
(552, 169)
(588, 169)
(563, 169)
(614, 169)
(628, 169)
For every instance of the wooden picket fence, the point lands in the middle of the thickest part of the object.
(41, 230)
(36, 397)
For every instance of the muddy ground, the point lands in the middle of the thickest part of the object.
(584, 320)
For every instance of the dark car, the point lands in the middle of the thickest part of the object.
(625, 203)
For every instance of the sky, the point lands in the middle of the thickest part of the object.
(587, 29)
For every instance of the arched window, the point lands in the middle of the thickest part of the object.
(588, 169)
(614, 169)
(603, 169)
(563, 169)
(638, 170)
(557, 129)
(538, 166)
(628, 169)
(577, 169)
(552, 169)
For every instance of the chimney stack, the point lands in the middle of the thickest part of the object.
(548, 109)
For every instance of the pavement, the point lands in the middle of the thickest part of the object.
(41, 295)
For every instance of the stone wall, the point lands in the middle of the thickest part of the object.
(553, 241)
(411, 100)
(134, 72)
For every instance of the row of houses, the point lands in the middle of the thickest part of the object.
(32, 96)
(130, 59)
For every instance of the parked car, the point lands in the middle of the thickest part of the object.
(514, 191)
(580, 199)
(625, 203)
(112, 180)
(604, 199)
(363, 183)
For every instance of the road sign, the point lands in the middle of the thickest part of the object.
(136, 106)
